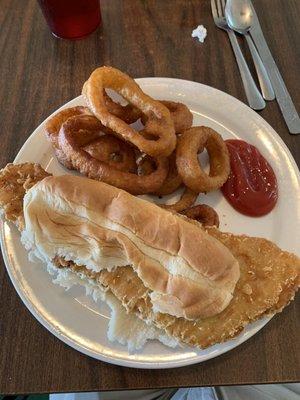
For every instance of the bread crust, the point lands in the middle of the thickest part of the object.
(191, 274)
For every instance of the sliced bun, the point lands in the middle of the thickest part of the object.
(189, 273)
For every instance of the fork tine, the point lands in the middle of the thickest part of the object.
(220, 11)
(214, 8)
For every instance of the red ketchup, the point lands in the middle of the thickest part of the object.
(252, 186)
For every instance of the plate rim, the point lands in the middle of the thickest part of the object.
(132, 363)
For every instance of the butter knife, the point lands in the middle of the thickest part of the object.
(283, 97)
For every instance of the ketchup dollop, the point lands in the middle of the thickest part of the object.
(252, 185)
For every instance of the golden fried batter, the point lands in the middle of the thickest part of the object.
(268, 282)
(15, 181)
(269, 278)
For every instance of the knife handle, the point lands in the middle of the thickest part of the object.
(263, 77)
(283, 97)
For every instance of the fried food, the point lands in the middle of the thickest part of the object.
(159, 123)
(128, 113)
(112, 151)
(186, 200)
(189, 144)
(171, 183)
(268, 282)
(15, 180)
(55, 123)
(204, 214)
(156, 138)
(173, 180)
(75, 130)
(190, 274)
(145, 164)
(180, 114)
(53, 126)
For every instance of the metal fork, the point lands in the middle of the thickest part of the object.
(253, 95)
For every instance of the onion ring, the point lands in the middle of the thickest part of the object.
(69, 135)
(180, 114)
(173, 180)
(128, 113)
(145, 165)
(188, 145)
(186, 200)
(159, 122)
(113, 151)
(53, 126)
(204, 214)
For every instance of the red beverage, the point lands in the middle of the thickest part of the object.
(71, 19)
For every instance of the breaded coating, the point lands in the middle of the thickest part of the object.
(269, 280)
(15, 181)
(269, 277)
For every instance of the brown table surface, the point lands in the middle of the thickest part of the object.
(144, 38)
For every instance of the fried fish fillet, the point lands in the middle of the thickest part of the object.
(268, 282)
(269, 278)
(15, 180)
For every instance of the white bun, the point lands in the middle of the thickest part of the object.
(190, 274)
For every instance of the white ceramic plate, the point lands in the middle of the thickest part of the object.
(76, 319)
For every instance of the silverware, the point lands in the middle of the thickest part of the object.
(167, 395)
(283, 97)
(253, 95)
(239, 17)
(217, 393)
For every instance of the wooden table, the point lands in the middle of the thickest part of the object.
(144, 38)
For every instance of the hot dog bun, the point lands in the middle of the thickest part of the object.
(189, 273)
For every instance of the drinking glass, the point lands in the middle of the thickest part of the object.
(71, 19)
